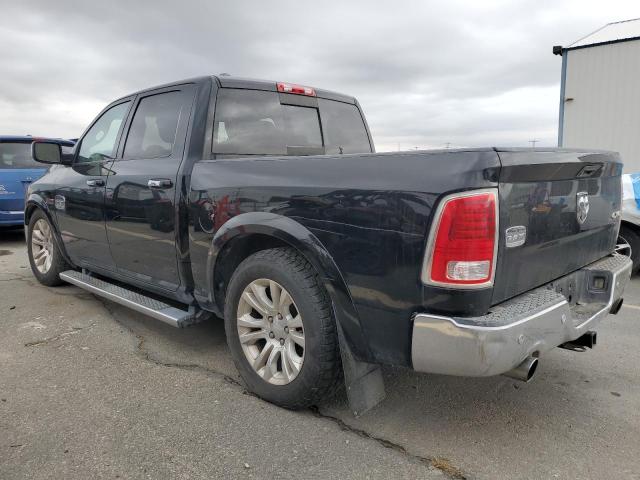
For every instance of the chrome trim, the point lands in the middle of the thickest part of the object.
(582, 207)
(425, 275)
(160, 183)
(445, 345)
(515, 236)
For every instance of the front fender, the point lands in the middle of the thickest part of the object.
(36, 201)
(299, 237)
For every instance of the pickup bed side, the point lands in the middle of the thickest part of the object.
(370, 213)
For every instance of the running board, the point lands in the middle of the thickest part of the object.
(136, 301)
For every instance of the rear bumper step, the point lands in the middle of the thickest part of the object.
(525, 326)
(134, 300)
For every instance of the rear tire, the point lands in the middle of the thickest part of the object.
(44, 256)
(632, 237)
(289, 352)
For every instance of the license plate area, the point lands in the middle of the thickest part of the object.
(585, 287)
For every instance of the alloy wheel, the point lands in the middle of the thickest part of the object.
(42, 246)
(271, 331)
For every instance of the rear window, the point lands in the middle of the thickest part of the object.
(252, 122)
(17, 155)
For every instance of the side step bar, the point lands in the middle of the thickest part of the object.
(134, 300)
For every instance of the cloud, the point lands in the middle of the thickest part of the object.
(426, 73)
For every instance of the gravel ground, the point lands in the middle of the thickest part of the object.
(92, 389)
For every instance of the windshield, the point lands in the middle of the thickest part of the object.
(254, 122)
(17, 155)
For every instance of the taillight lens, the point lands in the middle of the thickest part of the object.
(462, 249)
(296, 89)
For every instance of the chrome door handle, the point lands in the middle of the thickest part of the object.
(95, 182)
(160, 183)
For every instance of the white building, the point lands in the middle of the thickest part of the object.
(600, 108)
(600, 92)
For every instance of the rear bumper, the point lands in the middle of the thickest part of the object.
(10, 217)
(529, 324)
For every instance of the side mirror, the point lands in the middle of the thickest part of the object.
(48, 152)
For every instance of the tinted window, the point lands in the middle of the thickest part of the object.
(100, 140)
(302, 125)
(561, 188)
(17, 155)
(153, 129)
(250, 122)
(343, 128)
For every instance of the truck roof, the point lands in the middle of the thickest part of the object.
(30, 139)
(229, 81)
(16, 139)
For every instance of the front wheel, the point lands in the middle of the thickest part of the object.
(44, 256)
(280, 329)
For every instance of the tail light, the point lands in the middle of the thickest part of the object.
(296, 89)
(462, 246)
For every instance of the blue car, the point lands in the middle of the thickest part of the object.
(17, 171)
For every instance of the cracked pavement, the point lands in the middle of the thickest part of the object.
(91, 389)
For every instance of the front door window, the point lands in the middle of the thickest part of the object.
(100, 141)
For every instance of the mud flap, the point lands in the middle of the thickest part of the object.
(364, 382)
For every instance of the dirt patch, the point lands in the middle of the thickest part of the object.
(447, 467)
(5, 252)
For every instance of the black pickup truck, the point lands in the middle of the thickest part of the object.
(265, 203)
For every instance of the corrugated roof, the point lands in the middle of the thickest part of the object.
(611, 32)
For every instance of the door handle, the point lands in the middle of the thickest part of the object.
(95, 182)
(160, 183)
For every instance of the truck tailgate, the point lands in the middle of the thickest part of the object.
(559, 211)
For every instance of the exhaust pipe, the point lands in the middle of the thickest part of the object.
(524, 372)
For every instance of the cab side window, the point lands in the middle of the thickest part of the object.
(153, 129)
(344, 128)
(100, 141)
(253, 122)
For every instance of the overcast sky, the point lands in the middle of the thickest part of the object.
(468, 73)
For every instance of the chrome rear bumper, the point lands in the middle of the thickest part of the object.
(530, 324)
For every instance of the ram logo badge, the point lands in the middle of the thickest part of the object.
(582, 206)
(515, 236)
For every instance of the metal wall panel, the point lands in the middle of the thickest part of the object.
(604, 85)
